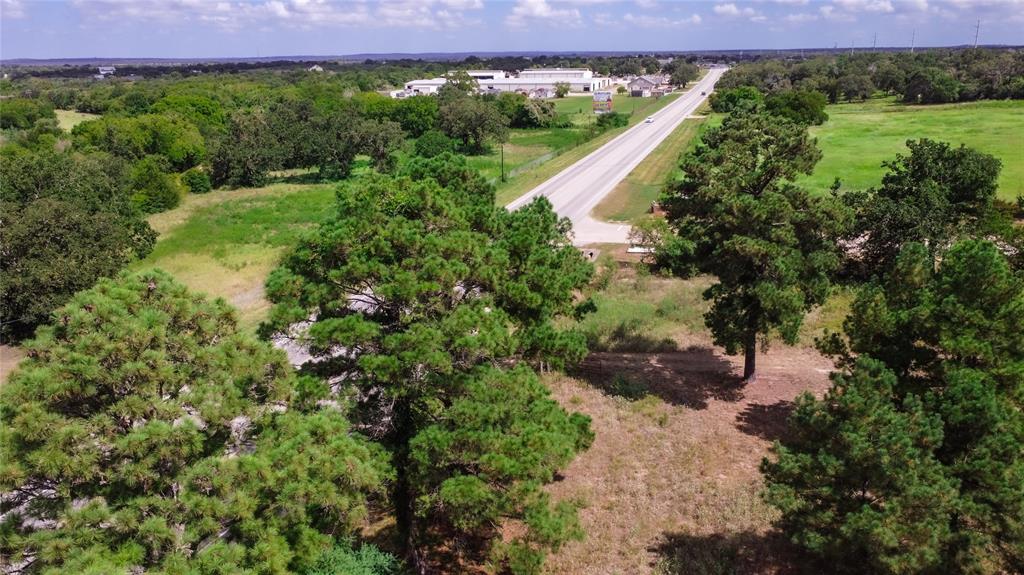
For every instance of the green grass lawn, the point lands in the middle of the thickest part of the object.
(858, 137)
(226, 242)
(68, 119)
(632, 198)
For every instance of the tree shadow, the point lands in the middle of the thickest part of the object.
(769, 422)
(689, 377)
(629, 336)
(744, 553)
(311, 177)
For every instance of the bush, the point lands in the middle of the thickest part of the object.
(154, 190)
(731, 99)
(197, 181)
(802, 106)
(612, 120)
(433, 143)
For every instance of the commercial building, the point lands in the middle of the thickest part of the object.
(644, 86)
(538, 82)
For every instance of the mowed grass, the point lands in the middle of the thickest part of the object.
(68, 119)
(858, 137)
(225, 243)
(632, 198)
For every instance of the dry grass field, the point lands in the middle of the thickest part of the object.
(671, 484)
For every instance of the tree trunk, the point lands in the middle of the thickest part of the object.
(750, 358)
(403, 496)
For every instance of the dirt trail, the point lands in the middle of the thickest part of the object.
(671, 482)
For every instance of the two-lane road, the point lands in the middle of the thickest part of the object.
(575, 191)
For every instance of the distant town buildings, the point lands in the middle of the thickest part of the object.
(536, 83)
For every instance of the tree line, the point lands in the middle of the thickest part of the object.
(157, 141)
(924, 77)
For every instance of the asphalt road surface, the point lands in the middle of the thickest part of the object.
(575, 191)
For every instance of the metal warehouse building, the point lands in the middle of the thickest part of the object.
(527, 81)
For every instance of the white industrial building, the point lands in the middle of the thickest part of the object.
(533, 81)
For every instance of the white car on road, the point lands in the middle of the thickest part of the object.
(649, 119)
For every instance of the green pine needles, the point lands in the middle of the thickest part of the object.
(912, 463)
(424, 294)
(144, 432)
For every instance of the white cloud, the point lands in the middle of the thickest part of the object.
(12, 9)
(539, 11)
(731, 10)
(646, 21)
(801, 17)
(303, 14)
(647, 4)
(830, 13)
(883, 6)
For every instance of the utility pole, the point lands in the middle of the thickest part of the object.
(977, 31)
(874, 41)
(913, 38)
(851, 47)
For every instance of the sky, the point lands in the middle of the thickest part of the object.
(246, 28)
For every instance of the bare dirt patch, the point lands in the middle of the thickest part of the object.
(671, 482)
(10, 357)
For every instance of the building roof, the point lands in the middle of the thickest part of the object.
(641, 81)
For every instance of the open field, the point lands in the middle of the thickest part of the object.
(633, 196)
(68, 119)
(858, 137)
(226, 242)
(671, 484)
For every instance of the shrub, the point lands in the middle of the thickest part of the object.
(612, 120)
(433, 143)
(731, 99)
(197, 181)
(153, 189)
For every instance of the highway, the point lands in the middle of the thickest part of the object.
(575, 191)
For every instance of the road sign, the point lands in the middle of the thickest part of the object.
(602, 102)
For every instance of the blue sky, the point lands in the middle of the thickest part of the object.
(238, 28)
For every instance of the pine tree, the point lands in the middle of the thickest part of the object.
(770, 244)
(418, 289)
(144, 431)
(913, 463)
